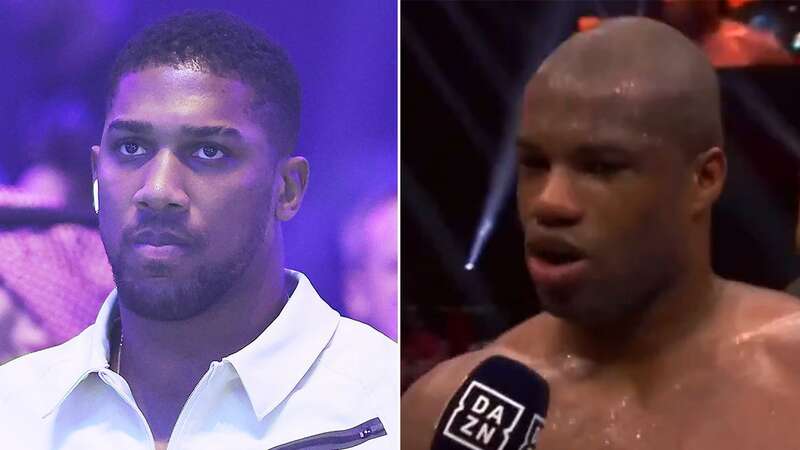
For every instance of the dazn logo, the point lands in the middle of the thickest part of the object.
(484, 418)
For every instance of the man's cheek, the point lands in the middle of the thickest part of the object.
(230, 225)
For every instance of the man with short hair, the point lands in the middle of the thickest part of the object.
(643, 346)
(207, 342)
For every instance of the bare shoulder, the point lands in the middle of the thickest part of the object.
(530, 340)
(751, 295)
(754, 307)
(425, 401)
(762, 316)
(760, 337)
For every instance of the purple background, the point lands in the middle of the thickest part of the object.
(345, 53)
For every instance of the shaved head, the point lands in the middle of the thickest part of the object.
(620, 161)
(661, 80)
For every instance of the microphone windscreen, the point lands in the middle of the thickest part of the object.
(501, 405)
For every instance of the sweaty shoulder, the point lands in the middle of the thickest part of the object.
(752, 311)
(761, 336)
(758, 313)
(425, 400)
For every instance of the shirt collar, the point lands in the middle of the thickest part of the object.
(272, 365)
(269, 367)
(85, 354)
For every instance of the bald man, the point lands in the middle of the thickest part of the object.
(643, 346)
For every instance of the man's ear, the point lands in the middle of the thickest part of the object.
(292, 178)
(710, 169)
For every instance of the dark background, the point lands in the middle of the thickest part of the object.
(463, 66)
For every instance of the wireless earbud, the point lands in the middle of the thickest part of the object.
(95, 200)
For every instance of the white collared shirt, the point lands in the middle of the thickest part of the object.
(311, 374)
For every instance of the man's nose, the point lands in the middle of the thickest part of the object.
(162, 189)
(556, 204)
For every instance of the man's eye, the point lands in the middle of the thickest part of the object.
(534, 162)
(602, 168)
(209, 152)
(132, 149)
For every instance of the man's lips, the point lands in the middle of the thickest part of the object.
(160, 238)
(160, 244)
(160, 252)
(554, 261)
(546, 273)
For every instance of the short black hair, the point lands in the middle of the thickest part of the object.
(224, 45)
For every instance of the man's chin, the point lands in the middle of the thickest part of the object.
(159, 271)
(162, 290)
(576, 310)
(163, 299)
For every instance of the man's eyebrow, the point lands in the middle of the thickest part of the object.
(134, 126)
(204, 132)
(604, 149)
(524, 143)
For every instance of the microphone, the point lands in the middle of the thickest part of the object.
(501, 405)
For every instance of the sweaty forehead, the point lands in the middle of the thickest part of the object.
(651, 115)
(620, 113)
(181, 95)
(633, 74)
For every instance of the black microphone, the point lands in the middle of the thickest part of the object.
(501, 405)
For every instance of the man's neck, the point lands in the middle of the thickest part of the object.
(163, 361)
(661, 329)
